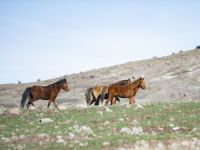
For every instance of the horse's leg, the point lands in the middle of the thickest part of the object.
(49, 103)
(110, 97)
(117, 99)
(113, 102)
(56, 106)
(96, 103)
(28, 104)
(131, 100)
(32, 104)
(92, 102)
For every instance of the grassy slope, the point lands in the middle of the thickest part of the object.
(157, 122)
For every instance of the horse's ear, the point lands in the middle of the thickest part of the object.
(141, 76)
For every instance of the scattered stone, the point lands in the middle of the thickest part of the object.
(2, 126)
(134, 122)
(14, 111)
(106, 123)
(176, 128)
(19, 147)
(108, 109)
(71, 135)
(5, 139)
(81, 106)
(137, 131)
(32, 108)
(86, 130)
(100, 113)
(121, 119)
(105, 143)
(83, 144)
(61, 107)
(60, 140)
(121, 148)
(59, 137)
(133, 131)
(139, 106)
(45, 120)
(42, 135)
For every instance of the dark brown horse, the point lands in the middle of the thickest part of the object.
(94, 94)
(126, 91)
(48, 92)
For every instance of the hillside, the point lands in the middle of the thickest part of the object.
(168, 79)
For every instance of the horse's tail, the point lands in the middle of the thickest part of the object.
(24, 97)
(88, 95)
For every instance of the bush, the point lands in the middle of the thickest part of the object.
(198, 47)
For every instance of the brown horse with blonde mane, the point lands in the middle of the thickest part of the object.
(49, 92)
(125, 91)
(94, 94)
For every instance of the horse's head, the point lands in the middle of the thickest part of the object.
(65, 86)
(142, 82)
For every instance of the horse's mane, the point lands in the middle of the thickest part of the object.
(58, 82)
(121, 82)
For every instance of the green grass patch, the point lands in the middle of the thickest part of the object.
(159, 122)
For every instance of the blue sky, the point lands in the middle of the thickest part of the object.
(47, 39)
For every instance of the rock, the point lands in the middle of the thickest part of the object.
(71, 135)
(121, 119)
(106, 123)
(61, 107)
(32, 108)
(108, 109)
(19, 147)
(42, 135)
(81, 106)
(176, 128)
(45, 120)
(137, 131)
(100, 113)
(139, 106)
(60, 140)
(126, 131)
(105, 143)
(83, 144)
(5, 139)
(86, 130)
(133, 131)
(121, 148)
(14, 111)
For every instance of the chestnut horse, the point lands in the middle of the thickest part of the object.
(104, 94)
(48, 92)
(94, 94)
(126, 91)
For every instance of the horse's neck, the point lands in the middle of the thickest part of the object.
(58, 87)
(135, 85)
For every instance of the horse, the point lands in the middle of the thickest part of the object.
(125, 91)
(49, 92)
(93, 94)
(104, 94)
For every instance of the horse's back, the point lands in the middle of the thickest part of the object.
(40, 92)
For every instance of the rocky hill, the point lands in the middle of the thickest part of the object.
(168, 79)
